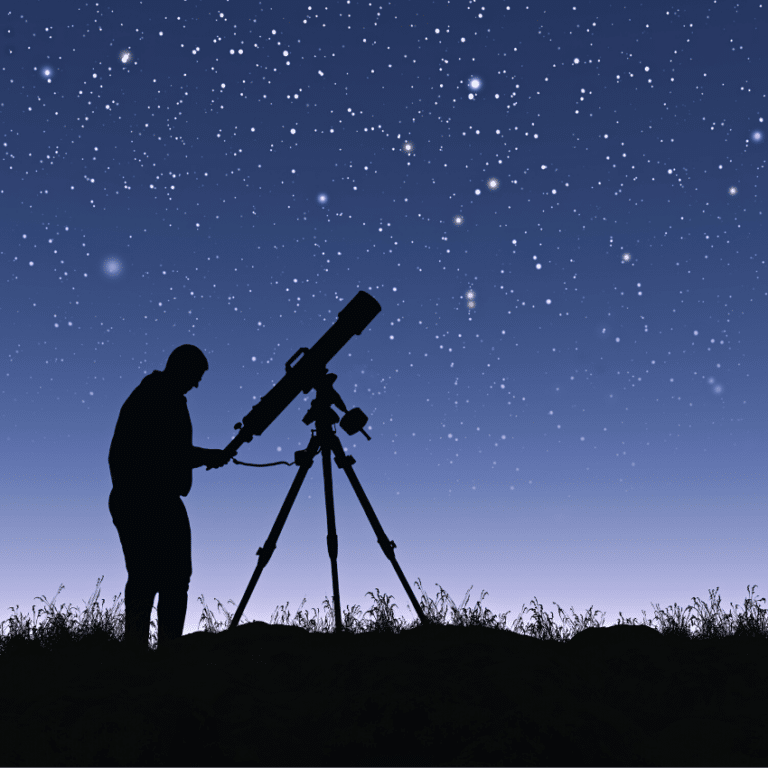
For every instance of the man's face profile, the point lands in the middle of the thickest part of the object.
(186, 380)
(195, 381)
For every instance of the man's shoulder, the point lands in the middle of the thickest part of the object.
(149, 389)
(151, 383)
(153, 379)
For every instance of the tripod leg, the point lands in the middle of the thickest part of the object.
(333, 539)
(345, 462)
(266, 551)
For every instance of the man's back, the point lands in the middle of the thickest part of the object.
(151, 450)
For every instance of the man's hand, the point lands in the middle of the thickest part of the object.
(216, 458)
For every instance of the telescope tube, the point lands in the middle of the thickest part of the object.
(352, 321)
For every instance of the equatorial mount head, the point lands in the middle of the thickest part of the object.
(352, 422)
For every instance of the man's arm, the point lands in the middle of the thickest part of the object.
(199, 456)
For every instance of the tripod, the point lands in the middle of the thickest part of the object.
(326, 441)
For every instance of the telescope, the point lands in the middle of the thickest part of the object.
(311, 373)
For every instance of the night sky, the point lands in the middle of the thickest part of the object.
(558, 206)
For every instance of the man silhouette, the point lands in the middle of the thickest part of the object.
(151, 460)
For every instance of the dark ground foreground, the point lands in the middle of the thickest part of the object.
(446, 695)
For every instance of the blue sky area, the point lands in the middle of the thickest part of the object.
(558, 207)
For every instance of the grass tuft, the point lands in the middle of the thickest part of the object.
(63, 629)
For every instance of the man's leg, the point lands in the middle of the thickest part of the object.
(177, 572)
(171, 611)
(139, 597)
(140, 590)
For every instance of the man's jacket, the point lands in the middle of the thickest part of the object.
(151, 451)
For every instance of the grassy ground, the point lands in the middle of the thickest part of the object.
(61, 628)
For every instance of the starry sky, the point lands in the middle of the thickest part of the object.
(559, 207)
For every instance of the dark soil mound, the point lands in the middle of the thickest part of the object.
(276, 695)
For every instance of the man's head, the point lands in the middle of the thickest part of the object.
(185, 367)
